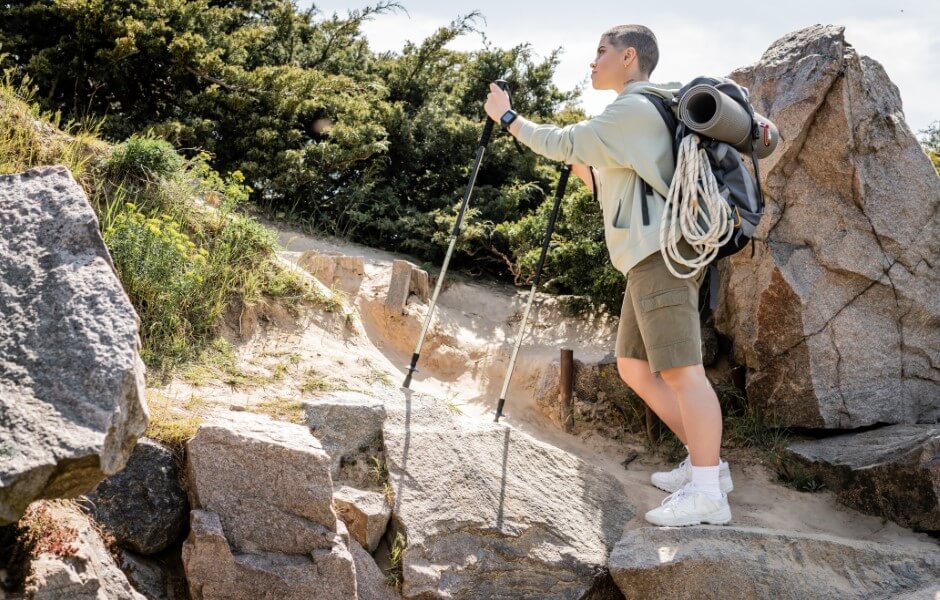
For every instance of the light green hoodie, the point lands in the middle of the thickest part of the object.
(629, 138)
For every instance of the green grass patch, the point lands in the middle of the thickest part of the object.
(393, 575)
(314, 381)
(281, 409)
(802, 482)
(172, 423)
(144, 158)
(31, 137)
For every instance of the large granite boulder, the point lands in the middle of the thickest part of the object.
(490, 512)
(892, 471)
(71, 378)
(263, 523)
(837, 315)
(745, 563)
(144, 506)
(216, 570)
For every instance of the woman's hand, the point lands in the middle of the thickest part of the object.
(497, 102)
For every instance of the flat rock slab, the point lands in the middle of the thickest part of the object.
(892, 471)
(490, 512)
(71, 378)
(749, 563)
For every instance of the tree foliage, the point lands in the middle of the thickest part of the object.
(373, 146)
(931, 143)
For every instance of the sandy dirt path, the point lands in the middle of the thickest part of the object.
(463, 361)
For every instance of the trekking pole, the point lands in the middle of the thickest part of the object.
(559, 193)
(481, 147)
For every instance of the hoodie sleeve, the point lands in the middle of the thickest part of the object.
(624, 135)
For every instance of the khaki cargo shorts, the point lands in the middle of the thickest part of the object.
(659, 320)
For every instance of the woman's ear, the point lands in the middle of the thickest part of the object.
(628, 55)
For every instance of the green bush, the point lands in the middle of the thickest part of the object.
(164, 274)
(143, 158)
(183, 264)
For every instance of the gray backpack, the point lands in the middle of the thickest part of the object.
(737, 186)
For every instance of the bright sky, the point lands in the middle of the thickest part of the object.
(695, 38)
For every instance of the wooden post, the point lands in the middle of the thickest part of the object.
(650, 423)
(565, 384)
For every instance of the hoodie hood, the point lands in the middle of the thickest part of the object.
(666, 90)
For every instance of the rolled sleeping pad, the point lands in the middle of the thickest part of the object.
(713, 113)
(706, 110)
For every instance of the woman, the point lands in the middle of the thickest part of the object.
(659, 344)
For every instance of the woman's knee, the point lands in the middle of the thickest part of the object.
(683, 379)
(635, 372)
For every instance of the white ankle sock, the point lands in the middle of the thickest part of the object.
(705, 479)
(721, 461)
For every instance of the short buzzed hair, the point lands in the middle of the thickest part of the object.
(640, 38)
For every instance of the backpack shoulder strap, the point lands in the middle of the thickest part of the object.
(664, 108)
(594, 184)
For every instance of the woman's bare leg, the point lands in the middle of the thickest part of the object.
(701, 413)
(654, 392)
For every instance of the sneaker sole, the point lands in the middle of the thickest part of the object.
(724, 483)
(721, 518)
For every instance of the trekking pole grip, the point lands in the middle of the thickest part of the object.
(488, 127)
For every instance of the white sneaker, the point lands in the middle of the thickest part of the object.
(671, 481)
(690, 506)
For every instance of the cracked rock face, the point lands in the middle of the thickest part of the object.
(71, 377)
(490, 512)
(837, 316)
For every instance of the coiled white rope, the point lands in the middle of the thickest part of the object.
(705, 218)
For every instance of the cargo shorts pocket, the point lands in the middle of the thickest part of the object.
(663, 298)
(664, 317)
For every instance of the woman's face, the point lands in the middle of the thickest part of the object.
(609, 67)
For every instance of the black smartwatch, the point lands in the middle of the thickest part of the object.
(508, 117)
